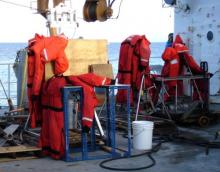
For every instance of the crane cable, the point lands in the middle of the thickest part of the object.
(110, 3)
(16, 4)
(119, 8)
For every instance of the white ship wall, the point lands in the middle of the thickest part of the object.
(193, 25)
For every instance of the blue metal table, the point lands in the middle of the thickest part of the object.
(111, 129)
(110, 125)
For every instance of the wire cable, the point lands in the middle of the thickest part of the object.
(119, 10)
(16, 4)
(148, 153)
(111, 3)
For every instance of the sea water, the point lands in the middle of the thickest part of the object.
(8, 52)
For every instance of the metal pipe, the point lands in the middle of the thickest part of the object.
(99, 124)
(139, 97)
(32, 133)
(3, 89)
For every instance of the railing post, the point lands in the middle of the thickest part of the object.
(9, 72)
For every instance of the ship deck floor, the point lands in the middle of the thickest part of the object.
(172, 156)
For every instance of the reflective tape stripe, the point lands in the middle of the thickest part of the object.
(87, 119)
(103, 82)
(144, 60)
(45, 54)
(129, 38)
(182, 51)
(32, 41)
(174, 61)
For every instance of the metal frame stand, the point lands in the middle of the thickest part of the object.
(139, 97)
(110, 95)
(110, 126)
(181, 78)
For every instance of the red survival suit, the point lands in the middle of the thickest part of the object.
(179, 52)
(52, 133)
(188, 61)
(186, 58)
(133, 63)
(170, 69)
(88, 82)
(52, 130)
(34, 106)
(42, 50)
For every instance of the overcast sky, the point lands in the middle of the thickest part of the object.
(18, 24)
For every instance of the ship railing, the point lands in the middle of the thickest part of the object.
(9, 80)
(8, 89)
(156, 64)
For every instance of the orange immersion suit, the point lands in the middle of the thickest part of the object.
(52, 131)
(43, 50)
(170, 69)
(133, 63)
(34, 106)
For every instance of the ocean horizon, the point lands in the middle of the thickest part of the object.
(8, 52)
(8, 49)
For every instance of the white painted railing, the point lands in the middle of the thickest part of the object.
(9, 84)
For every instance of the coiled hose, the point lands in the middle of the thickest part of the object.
(148, 154)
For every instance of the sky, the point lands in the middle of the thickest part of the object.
(145, 17)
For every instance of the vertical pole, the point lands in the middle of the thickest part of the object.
(129, 121)
(108, 138)
(66, 124)
(112, 118)
(139, 97)
(53, 31)
(9, 78)
(162, 92)
(83, 134)
(92, 136)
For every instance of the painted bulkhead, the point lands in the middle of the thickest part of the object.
(198, 22)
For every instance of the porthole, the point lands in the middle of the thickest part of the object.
(210, 35)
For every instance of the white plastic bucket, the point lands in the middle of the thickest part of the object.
(142, 134)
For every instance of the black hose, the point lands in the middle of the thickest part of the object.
(153, 162)
(171, 137)
(128, 169)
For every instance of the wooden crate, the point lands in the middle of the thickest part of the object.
(81, 53)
